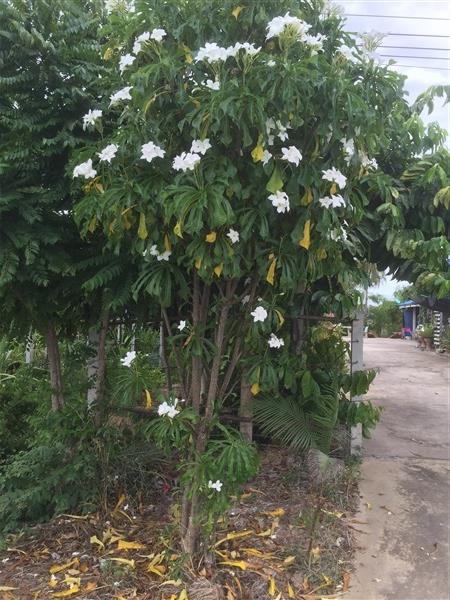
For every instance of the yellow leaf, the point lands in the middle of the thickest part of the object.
(240, 564)
(73, 590)
(124, 561)
(142, 229)
(89, 587)
(177, 229)
(315, 552)
(290, 591)
(94, 540)
(237, 11)
(265, 533)
(53, 582)
(289, 560)
(72, 580)
(198, 263)
(175, 582)
(108, 54)
(123, 545)
(157, 569)
(280, 316)
(272, 588)
(308, 197)
(234, 535)
(211, 237)
(148, 399)
(183, 595)
(270, 277)
(218, 270)
(120, 501)
(333, 189)
(167, 244)
(258, 152)
(258, 553)
(92, 224)
(59, 568)
(255, 389)
(305, 242)
(277, 512)
(7, 588)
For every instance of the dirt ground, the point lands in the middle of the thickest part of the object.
(269, 546)
(405, 489)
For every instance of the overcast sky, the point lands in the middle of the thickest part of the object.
(420, 75)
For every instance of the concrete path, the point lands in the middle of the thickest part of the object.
(405, 490)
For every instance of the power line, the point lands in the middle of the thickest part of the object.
(397, 17)
(386, 33)
(420, 67)
(420, 57)
(416, 48)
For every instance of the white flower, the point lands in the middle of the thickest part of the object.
(216, 485)
(282, 131)
(85, 170)
(108, 153)
(90, 117)
(292, 154)
(266, 157)
(250, 49)
(348, 52)
(259, 314)
(211, 52)
(154, 250)
(335, 176)
(277, 26)
(212, 85)
(126, 61)
(270, 140)
(233, 236)
(164, 256)
(168, 410)
(275, 342)
(271, 63)
(336, 201)
(128, 358)
(366, 162)
(200, 146)
(315, 42)
(181, 325)
(349, 149)
(245, 299)
(123, 94)
(150, 150)
(158, 35)
(185, 161)
(270, 124)
(141, 39)
(280, 201)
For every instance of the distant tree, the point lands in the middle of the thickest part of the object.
(385, 317)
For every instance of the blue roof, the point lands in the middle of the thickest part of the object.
(408, 303)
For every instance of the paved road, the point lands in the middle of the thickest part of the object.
(405, 491)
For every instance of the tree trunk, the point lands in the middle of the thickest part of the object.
(96, 366)
(54, 367)
(246, 410)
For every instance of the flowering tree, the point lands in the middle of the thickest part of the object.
(241, 176)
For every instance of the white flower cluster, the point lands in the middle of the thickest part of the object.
(108, 153)
(280, 129)
(349, 149)
(315, 42)
(157, 35)
(335, 201)
(181, 325)
(335, 176)
(215, 485)
(128, 358)
(366, 162)
(259, 314)
(186, 161)
(291, 154)
(348, 53)
(126, 61)
(91, 117)
(85, 170)
(160, 256)
(212, 85)
(121, 95)
(211, 52)
(150, 150)
(280, 201)
(233, 236)
(278, 25)
(168, 410)
(275, 342)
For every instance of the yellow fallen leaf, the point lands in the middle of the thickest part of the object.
(211, 237)
(237, 11)
(289, 560)
(72, 580)
(120, 501)
(73, 590)
(7, 588)
(265, 533)
(234, 535)
(157, 569)
(240, 564)
(290, 591)
(218, 270)
(59, 568)
(255, 389)
(53, 582)
(89, 587)
(183, 595)
(124, 545)
(315, 552)
(94, 540)
(277, 512)
(175, 582)
(142, 229)
(177, 230)
(305, 242)
(272, 588)
(124, 561)
(148, 399)
(270, 277)
(257, 553)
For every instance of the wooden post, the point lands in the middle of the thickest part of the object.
(357, 347)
